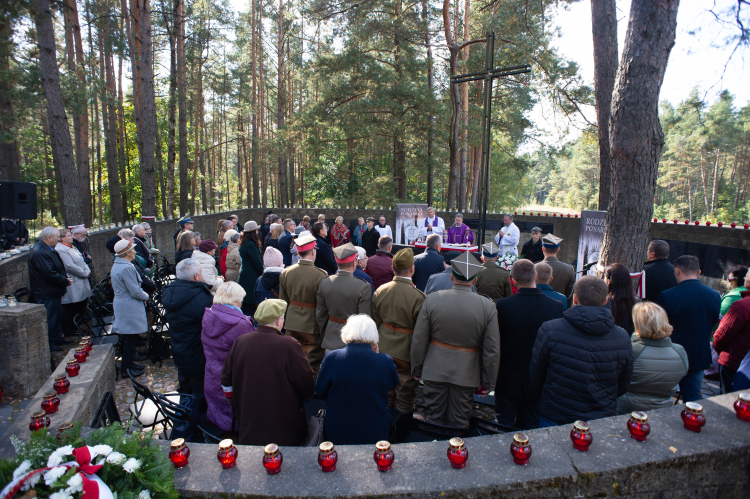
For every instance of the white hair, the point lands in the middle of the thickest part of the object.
(138, 227)
(430, 208)
(145, 225)
(235, 237)
(187, 269)
(78, 229)
(48, 232)
(360, 329)
(361, 255)
(229, 293)
(126, 233)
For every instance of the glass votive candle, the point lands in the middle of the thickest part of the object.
(327, 457)
(12, 302)
(85, 346)
(581, 436)
(61, 384)
(72, 368)
(272, 459)
(638, 426)
(3, 301)
(692, 417)
(62, 429)
(227, 454)
(50, 402)
(742, 406)
(39, 420)
(80, 355)
(89, 341)
(179, 452)
(384, 455)
(458, 454)
(520, 449)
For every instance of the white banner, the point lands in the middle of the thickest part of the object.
(408, 218)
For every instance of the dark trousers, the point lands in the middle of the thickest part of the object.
(690, 386)
(193, 384)
(54, 318)
(69, 313)
(726, 378)
(509, 409)
(129, 342)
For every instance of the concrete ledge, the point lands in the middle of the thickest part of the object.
(672, 463)
(23, 336)
(97, 376)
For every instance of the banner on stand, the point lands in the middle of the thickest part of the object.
(408, 218)
(590, 240)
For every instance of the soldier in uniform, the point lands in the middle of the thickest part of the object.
(341, 295)
(493, 281)
(298, 286)
(186, 223)
(455, 347)
(563, 276)
(395, 308)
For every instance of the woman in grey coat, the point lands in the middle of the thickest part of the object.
(129, 306)
(74, 300)
(658, 364)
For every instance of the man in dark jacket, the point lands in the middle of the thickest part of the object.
(380, 266)
(324, 257)
(185, 301)
(532, 249)
(693, 310)
(428, 263)
(520, 316)
(15, 233)
(80, 234)
(581, 363)
(370, 238)
(659, 272)
(49, 282)
(285, 241)
(140, 245)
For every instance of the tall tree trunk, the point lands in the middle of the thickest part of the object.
(171, 154)
(182, 103)
(636, 137)
(51, 193)
(57, 119)
(118, 206)
(148, 114)
(281, 93)
(453, 138)
(604, 23)
(254, 120)
(430, 84)
(462, 187)
(95, 141)
(10, 167)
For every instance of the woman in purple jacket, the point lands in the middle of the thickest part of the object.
(223, 323)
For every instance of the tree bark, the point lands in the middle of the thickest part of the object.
(430, 84)
(10, 167)
(148, 114)
(182, 103)
(254, 120)
(172, 111)
(636, 137)
(462, 187)
(453, 138)
(118, 206)
(604, 22)
(281, 94)
(56, 117)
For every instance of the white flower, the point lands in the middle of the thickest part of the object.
(116, 458)
(52, 475)
(22, 469)
(57, 457)
(100, 450)
(145, 494)
(75, 484)
(31, 482)
(60, 495)
(131, 465)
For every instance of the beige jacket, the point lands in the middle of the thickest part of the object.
(233, 261)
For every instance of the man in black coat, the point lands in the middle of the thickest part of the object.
(285, 241)
(15, 233)
(428, 263)
(581, 363)
(532, 249)
(370, 238)
(49, 282)
(324, 258)
(80, 234)
(659, 272)
(185, 301)
(520, 316)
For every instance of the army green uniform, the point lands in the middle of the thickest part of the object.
(340, 296)
(395, 308)
(298, 286)
(493, 281)
(563, 277)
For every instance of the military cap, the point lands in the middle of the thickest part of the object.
(345, 253)
(465, 267)
(185, 220)
(490, 249)
(403, 260)
(269, 311)
(305, 241)
(551, 241)
(536, 229)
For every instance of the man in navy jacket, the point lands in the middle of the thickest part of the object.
(428, 263)
(693, 310)
(285, 242)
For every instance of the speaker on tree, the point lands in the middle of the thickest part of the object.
(18, 200)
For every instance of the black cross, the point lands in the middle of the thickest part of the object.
(488, 75)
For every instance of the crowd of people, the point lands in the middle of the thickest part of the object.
(272, 315)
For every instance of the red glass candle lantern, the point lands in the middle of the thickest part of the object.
(39, 420)
(554, 214)
(62, 429)
(458, 454)
(61, 384)
(523, 213)
(520, 449)
(692, 417)
(733, 225)
(85, 346)
(746, 226)
(655, 220)
(576, 215)
(546, 214)
(515, 213)
(88, 341)
(227, 454)
(179, 453)
(708, 223)
(50, 402)
(720, 224)
(638, 426)
(742, 406)
(384, 455)
(568, 215)
(674, 221)
(327, 457)
(697, 222)
(272, 459)
(687, 222)
(80, 355)
(581, 436)
(72, 368)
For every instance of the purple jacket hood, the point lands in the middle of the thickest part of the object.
(219, 319)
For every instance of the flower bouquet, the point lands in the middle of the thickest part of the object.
(106, 464)
(507, 260)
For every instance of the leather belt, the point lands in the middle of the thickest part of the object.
(275, 293)
(454, 347)
(336, 320)
(302, 304)
(398, 329)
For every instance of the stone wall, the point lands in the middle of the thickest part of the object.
(14, 273)
(26, 357)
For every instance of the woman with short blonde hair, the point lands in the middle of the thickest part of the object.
(230, 293)
(185, 246)
(651, 321)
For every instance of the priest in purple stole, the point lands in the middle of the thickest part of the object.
(460, 233)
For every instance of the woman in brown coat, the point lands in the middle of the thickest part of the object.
(234, 260)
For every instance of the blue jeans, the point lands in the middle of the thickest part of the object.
(690, 386)
(546, 423)
(54, 318)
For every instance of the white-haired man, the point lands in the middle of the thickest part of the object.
(80, 234)
(140, 244)
(359, 270)
(432, 224)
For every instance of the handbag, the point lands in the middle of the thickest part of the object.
(316, 430)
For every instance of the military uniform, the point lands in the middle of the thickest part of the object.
(340, 296)
(298, 286)
(455, 347)
(563, 275)
(493, 281)
(395, 308)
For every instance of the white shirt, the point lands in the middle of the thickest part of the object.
(509, 241)
(438, 226)
(384, 231)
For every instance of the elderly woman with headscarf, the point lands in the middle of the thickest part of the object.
(129, 306)
(267, 285)
(339, 233)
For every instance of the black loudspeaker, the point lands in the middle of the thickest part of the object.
(18, 200)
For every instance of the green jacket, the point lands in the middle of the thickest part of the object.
(250, 270)
(729, 298)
